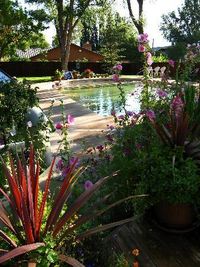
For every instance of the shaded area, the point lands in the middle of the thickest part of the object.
(157, 248)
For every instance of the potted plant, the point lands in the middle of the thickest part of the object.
(88, 73)
(170, 171)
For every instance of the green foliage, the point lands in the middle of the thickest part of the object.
(160, 58)
(177, 51)
(110, 34)
(183, 26)
(17, 26)
(15, 99)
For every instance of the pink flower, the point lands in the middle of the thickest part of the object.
(29, 124)
(177, 105)
(88, 185)
(66, 169)
(59, 126)
(149, 59)
(143, 38)
(111, 127)
(161, 93)
(141, 48)
(70, 119)
(113, 113)
(129, 113)
(115, 77)
(109, 137)
(100, 147)
(118, 67)
(150, 114)
(171, 63)
(121, 117)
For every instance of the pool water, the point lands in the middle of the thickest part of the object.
(103, 100)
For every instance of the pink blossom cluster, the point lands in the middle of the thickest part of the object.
(64, 168)
(117, 69)
(69, 121)
(143, 40)
(143, 47)
(177, 105)
(161, 93)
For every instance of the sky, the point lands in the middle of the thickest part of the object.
(153, 10)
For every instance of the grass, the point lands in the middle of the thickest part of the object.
(48, 78)
(35, 79)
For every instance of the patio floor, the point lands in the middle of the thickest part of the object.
(157, 247)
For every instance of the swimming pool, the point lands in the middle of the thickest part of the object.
(102, 100)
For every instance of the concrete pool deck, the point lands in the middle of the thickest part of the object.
(89, 128)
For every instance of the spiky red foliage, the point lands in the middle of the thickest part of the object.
(26, 214)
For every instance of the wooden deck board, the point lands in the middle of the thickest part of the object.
(157, 248)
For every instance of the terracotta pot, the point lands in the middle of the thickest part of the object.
(175, 216)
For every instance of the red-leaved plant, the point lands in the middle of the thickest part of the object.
(24, 217)
(182, 128)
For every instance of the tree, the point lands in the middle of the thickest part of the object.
(183, 26)
(138, 22)
(110, 34)
(16, 26)
(65, 15)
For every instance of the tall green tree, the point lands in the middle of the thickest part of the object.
(16, 27)
(65, 16)
(183, 26)
(110, 34)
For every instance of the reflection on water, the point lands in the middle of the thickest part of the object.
(103, 100)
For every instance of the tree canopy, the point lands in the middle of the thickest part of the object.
(183, 26)
(65, 16)
(18, 27)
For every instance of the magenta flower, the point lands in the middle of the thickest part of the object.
(161, 93)
(177, 105)
(141, 48)
(112, 127)
(143, 38)
(109, 138)
(171, 62)
(100, 147)
(115, 77)
(88, 185)
(70, 119)
(59, 126)
(129, 113)
(118, 67)
(150, 114)
(121, 117)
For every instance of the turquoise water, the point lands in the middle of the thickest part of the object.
(102, 100)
